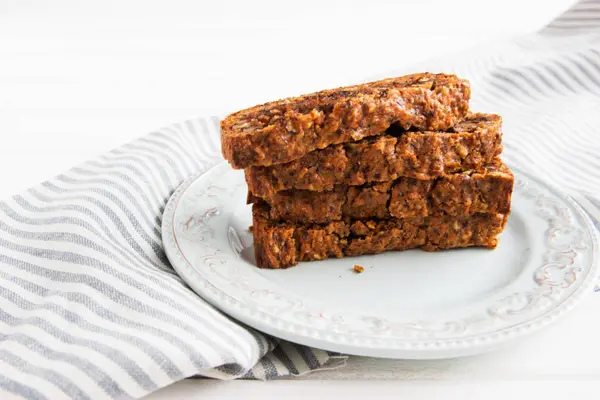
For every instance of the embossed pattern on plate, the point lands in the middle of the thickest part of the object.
(409, 304)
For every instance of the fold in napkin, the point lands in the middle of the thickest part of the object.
(89, 305)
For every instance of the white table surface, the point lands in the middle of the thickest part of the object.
(80, 78)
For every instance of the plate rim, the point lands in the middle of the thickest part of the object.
(389, 347)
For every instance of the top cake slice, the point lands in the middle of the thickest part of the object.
(285, 130)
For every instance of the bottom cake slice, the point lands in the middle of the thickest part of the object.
(284, 244)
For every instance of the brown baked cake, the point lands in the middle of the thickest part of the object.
(285, 130)
(472, 144)
(485, 191)
(284, 244)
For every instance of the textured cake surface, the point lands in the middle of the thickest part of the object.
(486, 191)
(285, 130)
(284, 244)
(470, 145)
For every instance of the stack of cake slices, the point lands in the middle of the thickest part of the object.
(395, 164)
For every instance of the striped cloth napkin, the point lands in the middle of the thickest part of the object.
(89, 306)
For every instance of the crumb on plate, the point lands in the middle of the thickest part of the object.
(358, 269)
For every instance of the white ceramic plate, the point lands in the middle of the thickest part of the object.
(411, 304)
